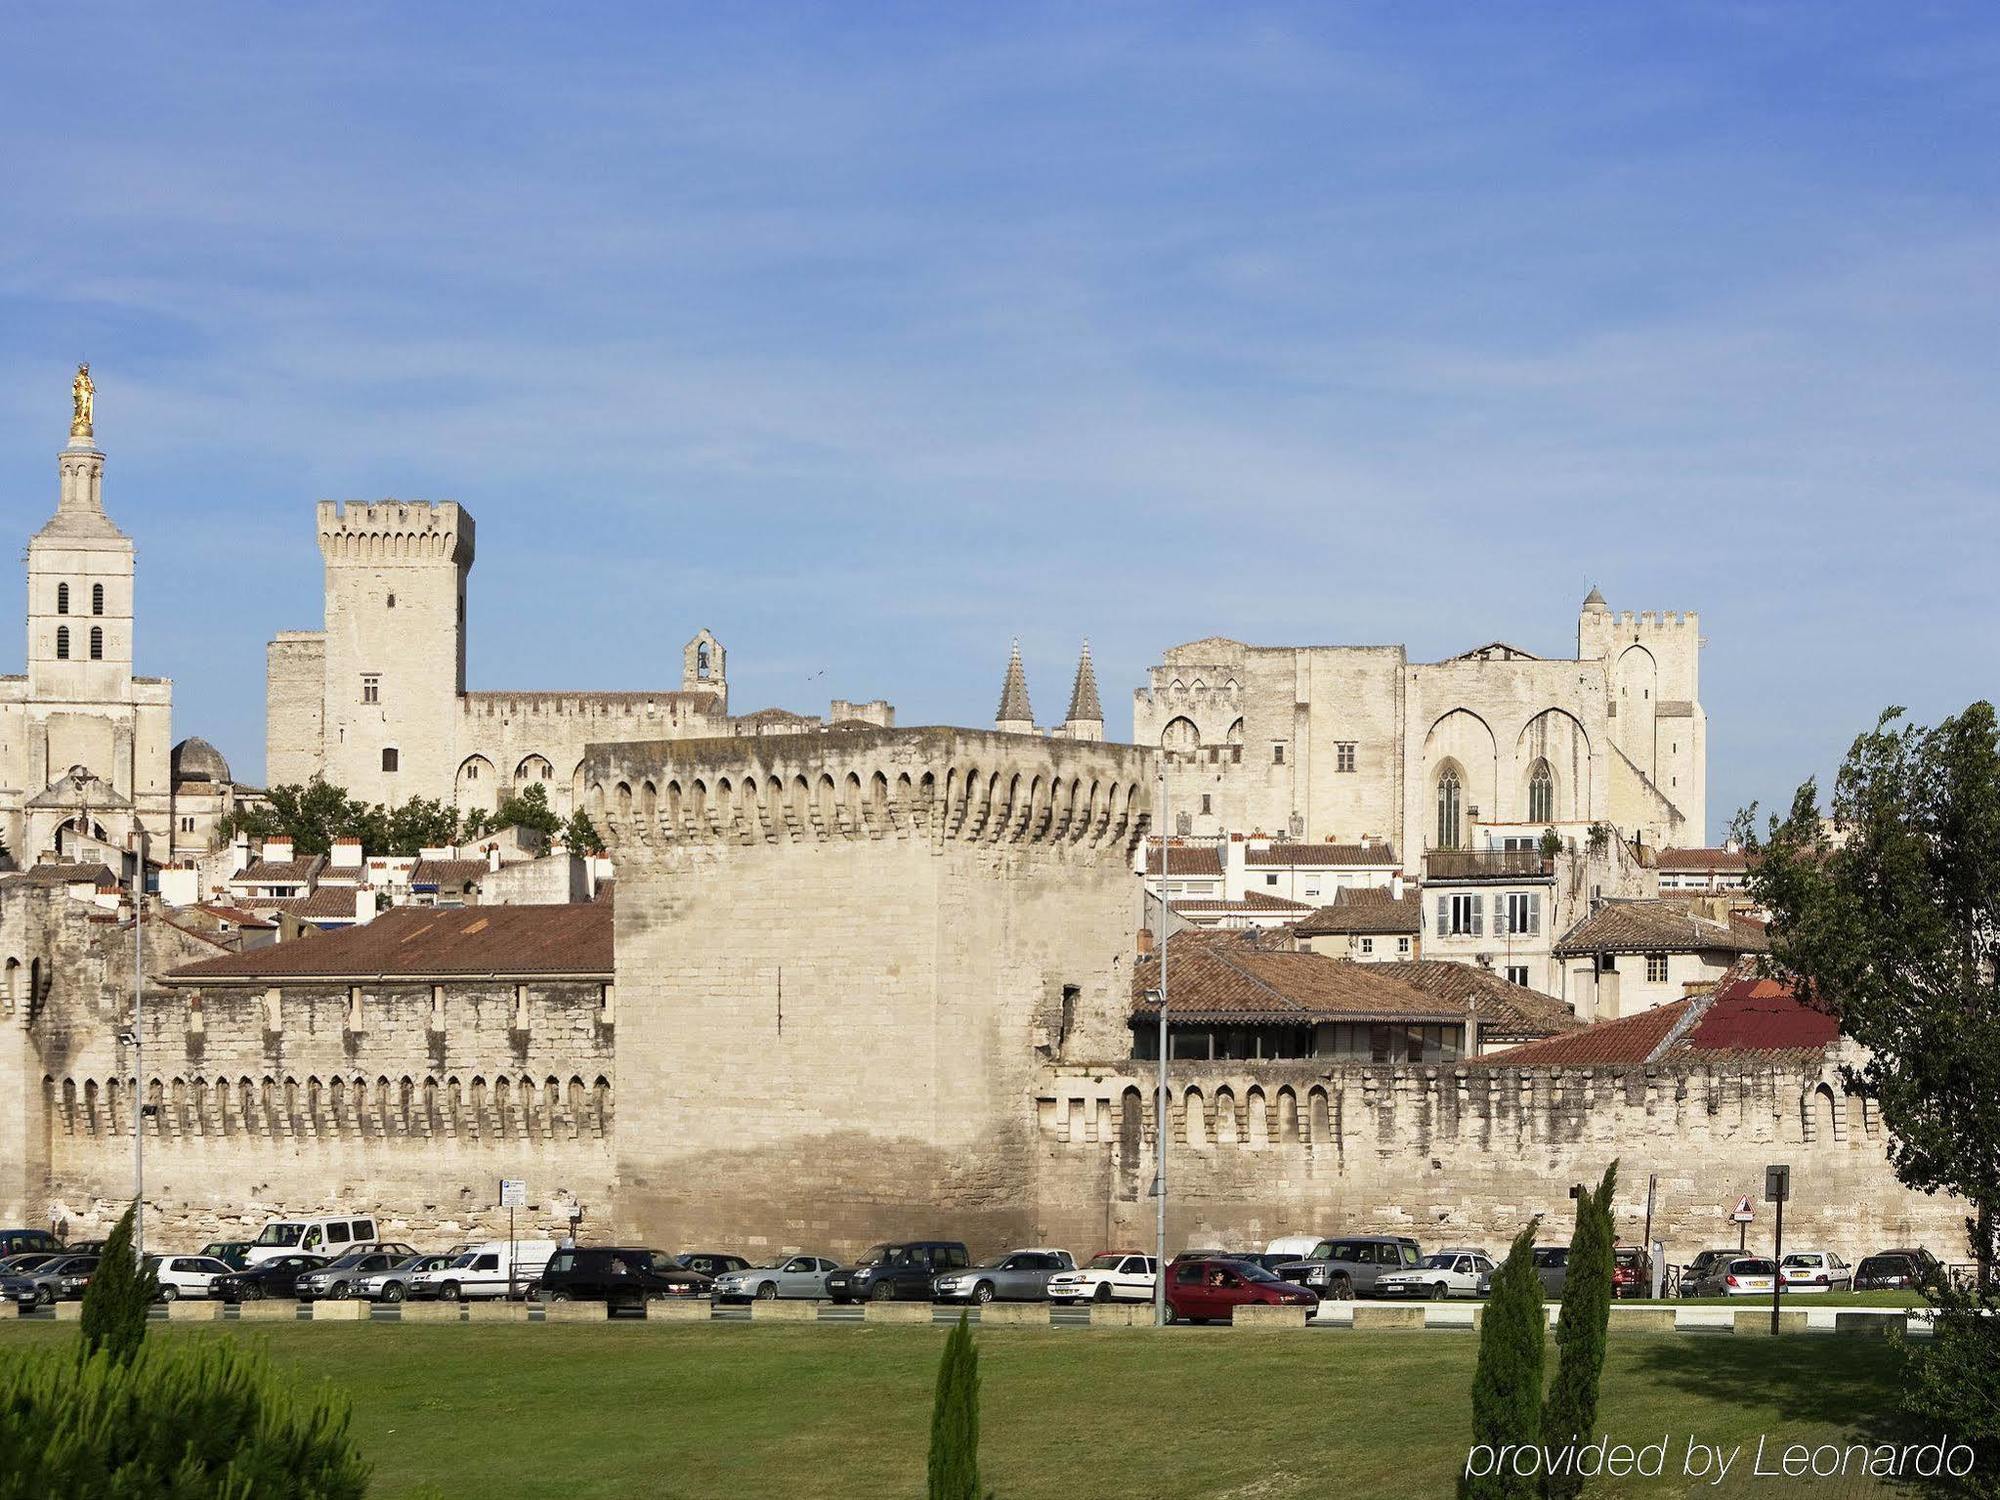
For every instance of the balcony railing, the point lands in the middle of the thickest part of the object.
(1484, 864)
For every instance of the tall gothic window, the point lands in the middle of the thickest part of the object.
(97, 598)
(1541, 794)
(97, 643)
(1448, 801)
(62, 598)
(62, 643)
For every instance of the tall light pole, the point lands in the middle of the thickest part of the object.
(1161, 1116)
(139, 1050)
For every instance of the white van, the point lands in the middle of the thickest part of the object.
(1298, 1246)
(482, 1271)
(329, 1236)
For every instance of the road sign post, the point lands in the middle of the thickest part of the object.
(1777, 1188)
(513, 1193)
(1743, 1215)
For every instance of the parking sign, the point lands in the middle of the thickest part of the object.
(513, 1193)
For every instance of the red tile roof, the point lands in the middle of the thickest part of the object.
(1369, 910)
(1660, 925)
(431, 943)
(279, 871)
(1253, 901)
(1199, 860)
(1744, 1019)
(1320, 856)
(449, 874)
(1704, 861)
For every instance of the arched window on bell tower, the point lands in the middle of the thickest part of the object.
(97, 598)
(62, 598)
(97, 643)
(62, 643)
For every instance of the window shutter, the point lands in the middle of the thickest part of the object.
(1478, 914)
(1534, 912)
(1444, 916)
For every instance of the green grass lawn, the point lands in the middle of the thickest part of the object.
(610, 1412)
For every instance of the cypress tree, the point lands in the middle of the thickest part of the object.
(115, 1302)
(954, 1464)
(1570, 1413)
(1507, 1385)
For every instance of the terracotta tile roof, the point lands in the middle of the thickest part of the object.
(1704, 861)
(1368, 910)
(448, 874)
(1659, 926)
(234, 914)
(1202, 859)
(1253, 901)
(279, 871)
(1322, 855)
(1218, 977)
(1744, 1019)
(1507, 1012)
(330, 903)
(83, 874)
(414, 942)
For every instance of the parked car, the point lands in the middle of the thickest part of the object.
(326, 1237)
(336, 1279)
(1705, 1269)
(883, 1273)
(1198, 1290)
(1350, 1266)
(57, 1279)
(1631, 1272)
(393, 1284)
(26, 1261)
(1466, 1274)
(274, 1278)
(1816, 1271)
(1735, 1276)
(86, 1247)
(794, 1276)
(617, 1277)
(232, 1253)
(711, 1263)
(1022, 1276)
(1897, 1271)
(21, 1241)
(185, 1275)
(1114, 1276)
(498, 1268)
(1552, 1267)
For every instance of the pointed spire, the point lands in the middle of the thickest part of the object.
(1014, 709)
(1084, 704)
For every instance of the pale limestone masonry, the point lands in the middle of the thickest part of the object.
(1341, 742)
(842, 960)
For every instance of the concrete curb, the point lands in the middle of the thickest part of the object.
(185, 1310)
(1014, 1315)
(344, 1310)
(264, 1310)
(1256, 1316)
(896, 1312)
(779, 1310)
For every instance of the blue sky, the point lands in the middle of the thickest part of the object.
(872, 336)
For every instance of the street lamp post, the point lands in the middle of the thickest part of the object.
(139, 1051)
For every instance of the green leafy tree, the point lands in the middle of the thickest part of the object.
(1888, 916)
(312, 815)
(1570, 1412)
(580, 835)
(420, 823)
(1507, 1383)
(954, 1461)
(1551, 843)
(182, 1419)
(529, 809)
(114, 1304)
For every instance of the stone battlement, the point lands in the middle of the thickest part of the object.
(395, 531)
(934, 784)
(1647, 619)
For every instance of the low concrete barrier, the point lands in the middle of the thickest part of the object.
(339, 1310)
(1440, 1315)
(1643, 1319)
(670, 1310)
(70, 1312)
(1254, 1315)
(896, 1312)
(1387, 1315)
(1871, 1324)
(575, 1312)
(430, 1312)
(193, 1310)
(780, 1310)
(1014, 1315)
(1335, 1314)
(496, 1310)
(1705, 1319)
(1121, 1315)
(1758, 1320)
(267, 1310)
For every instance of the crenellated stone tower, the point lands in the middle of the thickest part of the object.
(843, 960)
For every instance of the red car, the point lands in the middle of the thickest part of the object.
(1198, 1290)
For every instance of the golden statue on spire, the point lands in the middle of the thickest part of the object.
(84, 395)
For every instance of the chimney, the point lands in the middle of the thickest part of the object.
(347, 854)
(278, 849)
(239, 854)
(1396, 886)
(492, 856)
(364, 904)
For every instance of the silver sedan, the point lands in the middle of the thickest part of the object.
(794, 1276)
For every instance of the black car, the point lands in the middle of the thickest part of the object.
(618, 1277)
(902, 1272)
(21, 1241)
(1898, 1271)
(232, 1253)
(277, 1277)
(710, 1263)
